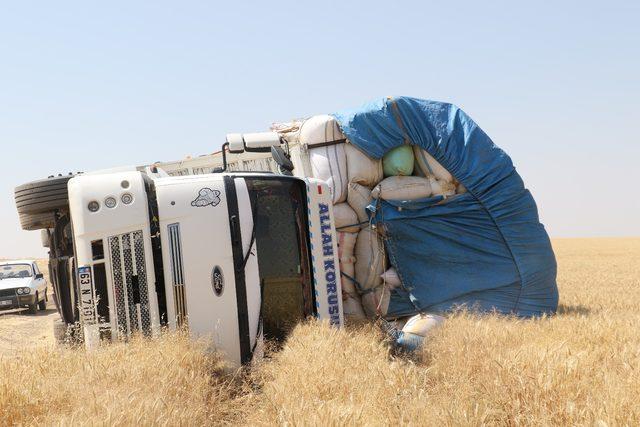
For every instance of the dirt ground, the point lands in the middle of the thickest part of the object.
(22, 331)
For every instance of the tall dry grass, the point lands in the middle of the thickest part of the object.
(166, 381)
(581, 366)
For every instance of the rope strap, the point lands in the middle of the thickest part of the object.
(396, 115)
(327, 143)
(358, 224)
(359, 286)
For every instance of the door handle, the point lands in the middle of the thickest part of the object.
(235, 230)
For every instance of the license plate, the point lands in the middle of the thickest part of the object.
(6, 302)
(86, 294)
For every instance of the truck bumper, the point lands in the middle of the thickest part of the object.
(17, 301)
(26, 299)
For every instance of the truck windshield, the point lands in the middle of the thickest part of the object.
(280, 217)
(14, 271)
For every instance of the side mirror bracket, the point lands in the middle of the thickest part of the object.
(285, 166)
(225, 146)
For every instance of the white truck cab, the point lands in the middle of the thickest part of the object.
(230, 246)
(233, 257)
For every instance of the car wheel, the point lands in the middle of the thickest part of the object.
(33, 308)
(37, 201)
(42, 305)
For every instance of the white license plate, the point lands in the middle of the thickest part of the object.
(6, 302)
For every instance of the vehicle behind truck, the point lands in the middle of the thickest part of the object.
(235, 257)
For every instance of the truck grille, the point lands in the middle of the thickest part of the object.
(177, 274)
(129, 279)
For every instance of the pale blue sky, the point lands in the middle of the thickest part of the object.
(88, 85)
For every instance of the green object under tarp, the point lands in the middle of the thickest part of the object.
(398, 161)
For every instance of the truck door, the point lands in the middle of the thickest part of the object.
(236, 254)
(211, 271)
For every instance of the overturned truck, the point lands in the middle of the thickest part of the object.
(402, 209)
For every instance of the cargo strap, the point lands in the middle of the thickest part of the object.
(396, 115)
(327, 144)
(357, 224)
(407, 140)
(424, 159)
(358, 285)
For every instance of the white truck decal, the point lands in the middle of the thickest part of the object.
(324, 253)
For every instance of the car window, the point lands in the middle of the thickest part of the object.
(36, 270)
(13, 271)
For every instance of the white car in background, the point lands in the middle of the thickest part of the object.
(22, 285)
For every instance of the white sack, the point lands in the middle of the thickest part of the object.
(390, 277)
(351, 305)
(402, 188)
(328, 163)
(351, 302)
(376, 302)
(348, 267)
(442, 188)
(422, 324)
(361, 168)
(320, 129)
(370, 264)
(346, 246)
(359, 198)
(345, 216)
(352, 308)
(428, 166)
(396, 324)
(370, 259)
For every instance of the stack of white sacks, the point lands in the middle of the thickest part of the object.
(355, 180)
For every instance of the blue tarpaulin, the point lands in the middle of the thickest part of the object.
(485, 249)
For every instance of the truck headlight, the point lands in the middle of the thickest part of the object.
(26, 291)
(19, 291)
(126, 198)
(110, 202)
(93, 206)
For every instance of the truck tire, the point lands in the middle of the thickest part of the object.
(43, 196)
(38, 221)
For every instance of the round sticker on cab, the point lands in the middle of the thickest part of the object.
(217, 281)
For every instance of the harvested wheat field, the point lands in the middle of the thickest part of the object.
(581, 366)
